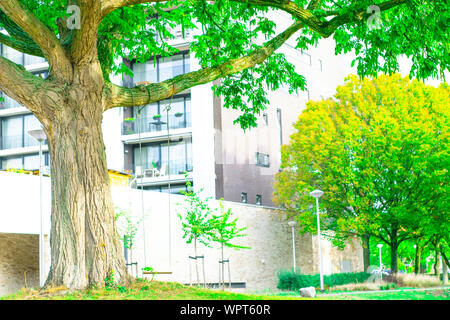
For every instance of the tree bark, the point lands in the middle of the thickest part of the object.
(417, 260)
(84, 241)
(366, 252)
(394, 253)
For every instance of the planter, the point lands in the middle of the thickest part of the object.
(178, 114)
(157, 117)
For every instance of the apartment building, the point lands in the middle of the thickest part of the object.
(193, 133)
(190, 133)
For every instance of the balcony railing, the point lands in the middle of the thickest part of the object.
(177, 33)
(8, 103)
(176, 167)
(131, 126)
(19, 141)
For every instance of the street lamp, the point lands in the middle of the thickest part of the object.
(40, 136)
(292, 224)
(317, 194)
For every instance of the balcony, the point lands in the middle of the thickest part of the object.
(18, 141)
(155, 124)
(178, 37)
(152, 174)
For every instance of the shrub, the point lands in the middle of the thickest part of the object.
(364, 286)
(417, 280)
(288, 280)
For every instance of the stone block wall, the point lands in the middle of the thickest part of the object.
(19, 261)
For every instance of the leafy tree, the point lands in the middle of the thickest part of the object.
(237, 40)
(380, 151)
(127, 227)
(225, 230)
(198, 224)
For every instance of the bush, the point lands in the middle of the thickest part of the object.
(288, 280)
(364, 286)
(417, 280)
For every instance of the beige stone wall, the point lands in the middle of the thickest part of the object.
(268, 236)
(19, 261)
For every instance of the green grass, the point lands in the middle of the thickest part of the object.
(155, 290)
(402, 294)
(139, 290)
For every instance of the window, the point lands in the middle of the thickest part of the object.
(244, 197)
(154, 117)
(28, 162)
(280, 126)
(259, 199)
(161, 68)
(156, 156)
(319, 61)
(305, 58)
(265, 119)
(14, 131)
(170, 67)
(262, 160)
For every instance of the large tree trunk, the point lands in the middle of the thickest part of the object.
(417, 260)
(366, 252)
(85, 245)
(394, 254)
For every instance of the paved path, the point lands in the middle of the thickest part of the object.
(378, 291)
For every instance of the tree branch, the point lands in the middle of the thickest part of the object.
(28, 48)
(315, 22)
(130, 97)
(109, 6)
(20, 84)
(84, 42)
(53, 51)
(357, 15)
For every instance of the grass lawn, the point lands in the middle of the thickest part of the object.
(139, 290)
(401, 294)
(155, 290)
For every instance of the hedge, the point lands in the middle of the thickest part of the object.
(288, 280)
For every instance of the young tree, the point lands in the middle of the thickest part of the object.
(198, 223)
(380, 151)
(82, 39)
(127, 226)
(224, 231)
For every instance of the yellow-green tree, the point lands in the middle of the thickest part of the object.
(379, 149)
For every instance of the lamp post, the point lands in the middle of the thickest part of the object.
(292, 225)
(40, 136)
(379, 252)
(317, 194)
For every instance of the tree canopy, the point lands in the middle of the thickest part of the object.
(230, 39)
(379, 150)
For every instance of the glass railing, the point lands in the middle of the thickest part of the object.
(8, 103)
(155, 124)
(19, 141)
(175, 167)
(177, 34)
